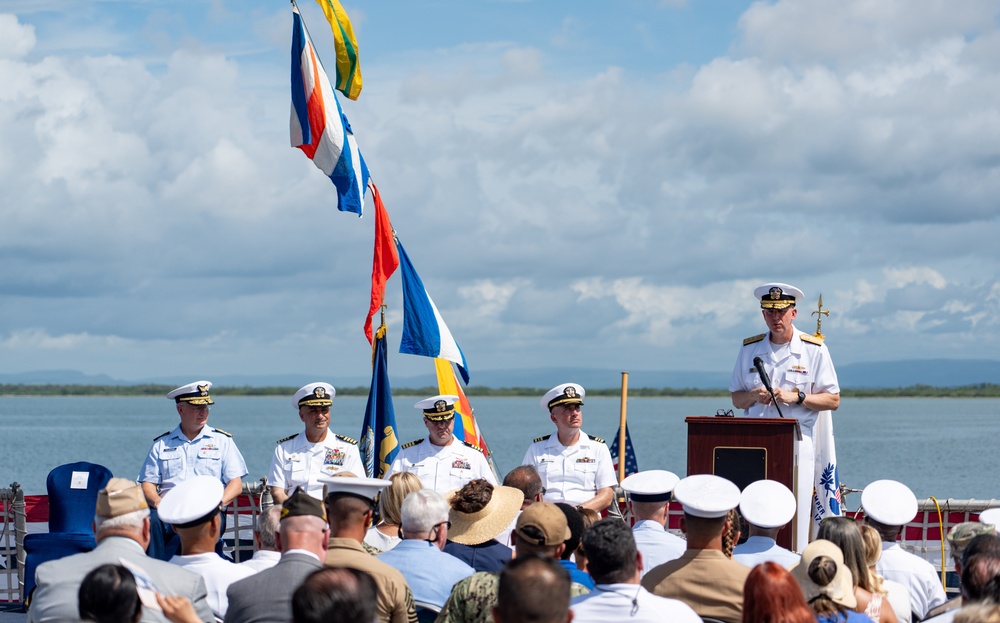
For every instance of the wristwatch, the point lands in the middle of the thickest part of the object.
(802, 397)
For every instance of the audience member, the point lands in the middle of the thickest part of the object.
(616, 566)
(428, 570)
(826, 583)
(590, 517)
(335, 594)
(771, 595)
(108, 594)
(703, 577)
(981, 579)
(479, 513)
(385, 534)
(649, 499)
(525, 478)
(843, 532)
(576, 527)
(979, 613)
(302, 537)
(534, 589)
(121, 523)
(267, 554)
(958, 538)
(897, 595)
(350, 507)
(768, 506)
(732, 537)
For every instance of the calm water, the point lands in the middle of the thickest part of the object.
(939, 447)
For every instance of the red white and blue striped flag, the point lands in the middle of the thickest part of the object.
(318, 126)
(631, 464)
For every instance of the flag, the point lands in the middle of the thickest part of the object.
(318, 126)
(826, 500)
(348, 69)
(631, 464)
(378, 434)
(385, 260)
(424, 330)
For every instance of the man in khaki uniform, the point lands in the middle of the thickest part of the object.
(349, 508)
(704, 578)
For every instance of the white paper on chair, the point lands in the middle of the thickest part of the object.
(79, 480)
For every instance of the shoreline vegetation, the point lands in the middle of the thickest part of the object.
(981, 390)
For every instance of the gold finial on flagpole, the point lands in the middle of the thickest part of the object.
(819, 313)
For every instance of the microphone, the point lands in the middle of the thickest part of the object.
(759, 364)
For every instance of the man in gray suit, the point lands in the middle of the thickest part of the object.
(266, 597)
(121, 523)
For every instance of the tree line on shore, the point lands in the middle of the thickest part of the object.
(981, 390)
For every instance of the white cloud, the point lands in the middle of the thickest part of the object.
(16, 39)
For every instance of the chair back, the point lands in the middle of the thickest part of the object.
(72, 490)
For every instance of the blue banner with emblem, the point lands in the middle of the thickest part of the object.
(378, 434)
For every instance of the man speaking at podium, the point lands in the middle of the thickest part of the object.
(796, 367)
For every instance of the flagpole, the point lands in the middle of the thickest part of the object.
(621, 428)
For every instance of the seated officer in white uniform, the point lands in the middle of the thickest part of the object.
(441, 461)
(888, 506)
(191, 449)
(575, 467)
(767, 506)
(193, 507)
(300, 460)
(649, 498)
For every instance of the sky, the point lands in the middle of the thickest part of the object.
(578, 183)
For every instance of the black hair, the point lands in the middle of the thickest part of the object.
(610, 549)
(335, 594)
(108, 595)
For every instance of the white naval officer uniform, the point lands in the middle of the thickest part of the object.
(761, 549)
(571, 474)
(218, 574)
(629, 602)
(174, 458)
(919, 577)
(298, 462)
(443, 468)
(656, 544)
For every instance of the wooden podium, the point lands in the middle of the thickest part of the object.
(745, 450)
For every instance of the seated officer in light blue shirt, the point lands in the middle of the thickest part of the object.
(428, 570)
(649, 499)
(767, 506)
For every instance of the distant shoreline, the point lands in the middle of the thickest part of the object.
(981, 390)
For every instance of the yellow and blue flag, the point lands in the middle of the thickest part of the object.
(348, 69)
(378, 434)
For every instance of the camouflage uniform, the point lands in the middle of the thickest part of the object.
(473, 598)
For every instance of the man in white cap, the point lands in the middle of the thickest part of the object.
(193, 508)
(575, 467)
(767, 506)
(649, 498)
(800, 372)
(441, 461)
(703, 577)
(889, 505)
(350, 506)
(300, 460)
(191, 448)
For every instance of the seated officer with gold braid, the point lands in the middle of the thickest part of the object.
(441, 461)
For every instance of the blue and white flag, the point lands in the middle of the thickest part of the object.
(379, 443)
(424, 330)
(826, 501)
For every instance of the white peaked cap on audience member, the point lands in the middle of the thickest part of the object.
(990, 516)
(565, 394)
(314, 395)
(706, 495)
(767, 504)
(889, 502)
(188, 501)
(366, 488)
(652, 485)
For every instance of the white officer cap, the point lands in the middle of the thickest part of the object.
(191, 502)
(314, 395)
(438, 408)
(767, 504)
(366, 488)
(990, 517)
(652, 485)
(565, 394)
(193, 393)
(777, 295)
(707, 495)
(889, 502)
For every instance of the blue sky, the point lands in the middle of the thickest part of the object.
(578, 183)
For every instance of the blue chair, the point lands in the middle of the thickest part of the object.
(71, 516)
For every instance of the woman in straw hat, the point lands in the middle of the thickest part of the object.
(827, 584)
(479, 513)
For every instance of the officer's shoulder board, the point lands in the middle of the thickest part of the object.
(347, 439)
(222, 432)
(754, 339)
(595, 438)
(157, 438)
(811, 339)
(541, 438)
(281, 441)
(473, 446)
(412, 443)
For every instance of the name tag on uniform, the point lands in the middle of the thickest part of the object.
(461, 464)
(209, 451)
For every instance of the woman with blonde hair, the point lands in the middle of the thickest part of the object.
(385, 535)
(895, 593)
(844, 533)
